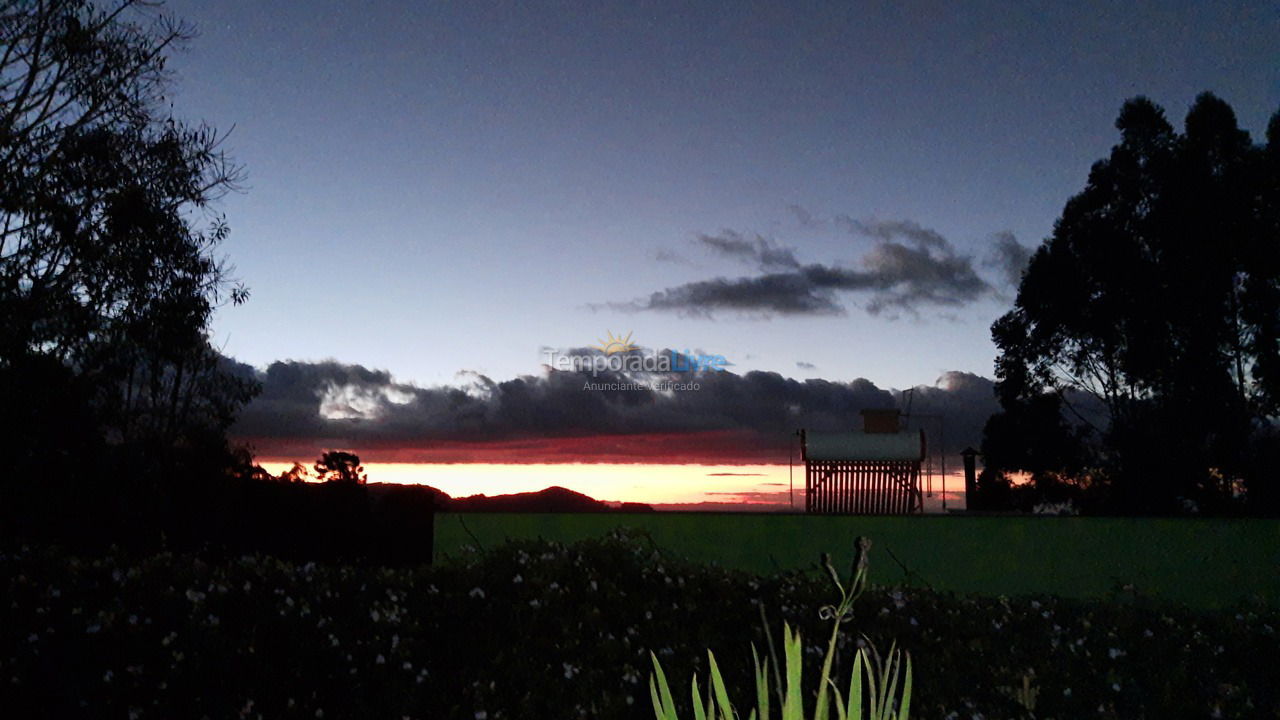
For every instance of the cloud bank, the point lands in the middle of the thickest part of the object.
(908, 268)
(306, 407)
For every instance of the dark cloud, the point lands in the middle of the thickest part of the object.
(894, 230)
(909, 268)
(805, 365)
(353, 406)
(305, 407)
(756, 250)
(803, 216)
(671, 256)
(791, 293)
(1009, 257)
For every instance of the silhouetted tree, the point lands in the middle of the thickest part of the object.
(108, 272)
(295, 474)
(107, 242)
(337, 466)
(1156, 300)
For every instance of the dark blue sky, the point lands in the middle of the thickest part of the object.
(445, 186)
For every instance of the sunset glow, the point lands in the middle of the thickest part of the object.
(710, 487)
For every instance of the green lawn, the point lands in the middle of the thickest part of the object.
(1204, 563)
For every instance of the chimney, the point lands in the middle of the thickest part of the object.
(880, 421)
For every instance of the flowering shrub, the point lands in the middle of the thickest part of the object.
(542, 630)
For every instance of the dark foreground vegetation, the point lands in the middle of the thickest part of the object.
(543, 630)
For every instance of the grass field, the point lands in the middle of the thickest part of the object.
(1203, 563)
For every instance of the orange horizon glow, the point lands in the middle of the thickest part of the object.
(719, 487)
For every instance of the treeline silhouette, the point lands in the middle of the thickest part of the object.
(1139, 370)
(116, 405)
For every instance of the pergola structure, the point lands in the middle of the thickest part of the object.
(874, 472)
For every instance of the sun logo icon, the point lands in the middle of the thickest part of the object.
(615, 344)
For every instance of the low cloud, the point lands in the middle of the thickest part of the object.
(895, 230)
(306, 407)
(803, 216)
(805, 365)
(791, 293)
(756, 250)
(1009, 257)
(907, 269)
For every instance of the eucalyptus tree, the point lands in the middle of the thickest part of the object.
(1151, 315)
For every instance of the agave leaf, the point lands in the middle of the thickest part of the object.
(793, 706)
(890, 686)
(717, 684)
(854, 708)
(873, 690)
(664, 690)
(762, 683)
(839, 701)
(906, 692)
(821, 709)
(659, 712)
(698, 712)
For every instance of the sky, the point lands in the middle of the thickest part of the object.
(438, 192)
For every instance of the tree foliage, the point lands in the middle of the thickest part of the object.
(109, 277)
(1151, 316)
(107, 239)
(337, 466)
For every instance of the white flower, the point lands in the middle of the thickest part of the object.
(569, 671)
(380, 660)
(482, 715)
(517, 579)
(477, 593)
